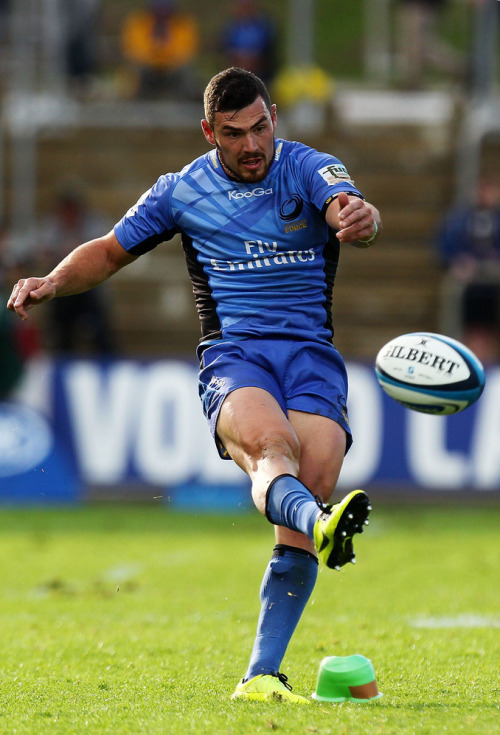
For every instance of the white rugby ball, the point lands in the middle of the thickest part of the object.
(430, 373)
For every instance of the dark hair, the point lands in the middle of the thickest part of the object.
(233, 89)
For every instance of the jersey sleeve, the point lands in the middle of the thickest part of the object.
(325, 177)
(149, 222)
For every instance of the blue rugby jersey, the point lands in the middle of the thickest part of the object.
(261, 258)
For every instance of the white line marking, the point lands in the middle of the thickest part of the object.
(467, 620)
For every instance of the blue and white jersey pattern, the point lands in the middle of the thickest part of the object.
(261, 257)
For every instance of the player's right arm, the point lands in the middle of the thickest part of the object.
(87, 266)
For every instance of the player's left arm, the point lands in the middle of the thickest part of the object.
(356, 221)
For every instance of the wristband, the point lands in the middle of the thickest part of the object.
(372, 236)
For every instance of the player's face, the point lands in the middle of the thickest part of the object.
(244, 140)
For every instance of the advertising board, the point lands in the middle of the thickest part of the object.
(79, 424)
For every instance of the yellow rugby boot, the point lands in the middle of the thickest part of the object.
(268, 688)
(337, 524)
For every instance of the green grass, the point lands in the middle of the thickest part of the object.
(139, 620)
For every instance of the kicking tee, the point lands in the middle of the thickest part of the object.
(261, 257)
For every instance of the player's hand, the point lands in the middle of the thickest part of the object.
(29, 292)
(358, 221)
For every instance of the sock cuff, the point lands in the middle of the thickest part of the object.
(278, 477)
(280, 549)
(270, 487)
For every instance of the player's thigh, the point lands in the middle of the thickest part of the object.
(252, 426)
(322, 451)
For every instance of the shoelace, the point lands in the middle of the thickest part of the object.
(283, 678)
(324, 507)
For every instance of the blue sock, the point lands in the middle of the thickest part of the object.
(286, 587)
(289, 503)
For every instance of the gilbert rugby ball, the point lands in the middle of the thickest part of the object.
(430, 373)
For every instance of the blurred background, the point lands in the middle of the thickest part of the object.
(100, 97)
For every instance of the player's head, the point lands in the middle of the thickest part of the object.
(240, 121)
(233, 89)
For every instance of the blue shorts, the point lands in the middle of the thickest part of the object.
(302, 376)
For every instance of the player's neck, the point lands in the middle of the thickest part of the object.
(230, 174)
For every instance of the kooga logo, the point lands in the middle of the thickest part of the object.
(259, 192)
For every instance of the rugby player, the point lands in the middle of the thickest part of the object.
(262, 221)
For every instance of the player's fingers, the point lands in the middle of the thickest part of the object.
(354, 212)
(27, 293)
(359, 214)
(366, 227)
(360, 228)
(15, 292)
(343, 200)
(18, 308)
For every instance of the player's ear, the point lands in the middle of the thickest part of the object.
(208, 132)
(273, 116)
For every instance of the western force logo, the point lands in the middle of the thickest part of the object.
(335, 172)
(291, 208)
(259, 192)
(294, 226)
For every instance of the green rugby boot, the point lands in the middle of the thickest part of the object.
(267, 688)
(337, 524)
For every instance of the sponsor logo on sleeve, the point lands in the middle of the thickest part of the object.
(334, 173)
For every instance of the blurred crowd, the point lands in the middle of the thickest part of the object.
(79, 325)
(161, 46)
(420, 45)
(468, 246)
(152, 49)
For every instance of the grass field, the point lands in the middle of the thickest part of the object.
(139, 620)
